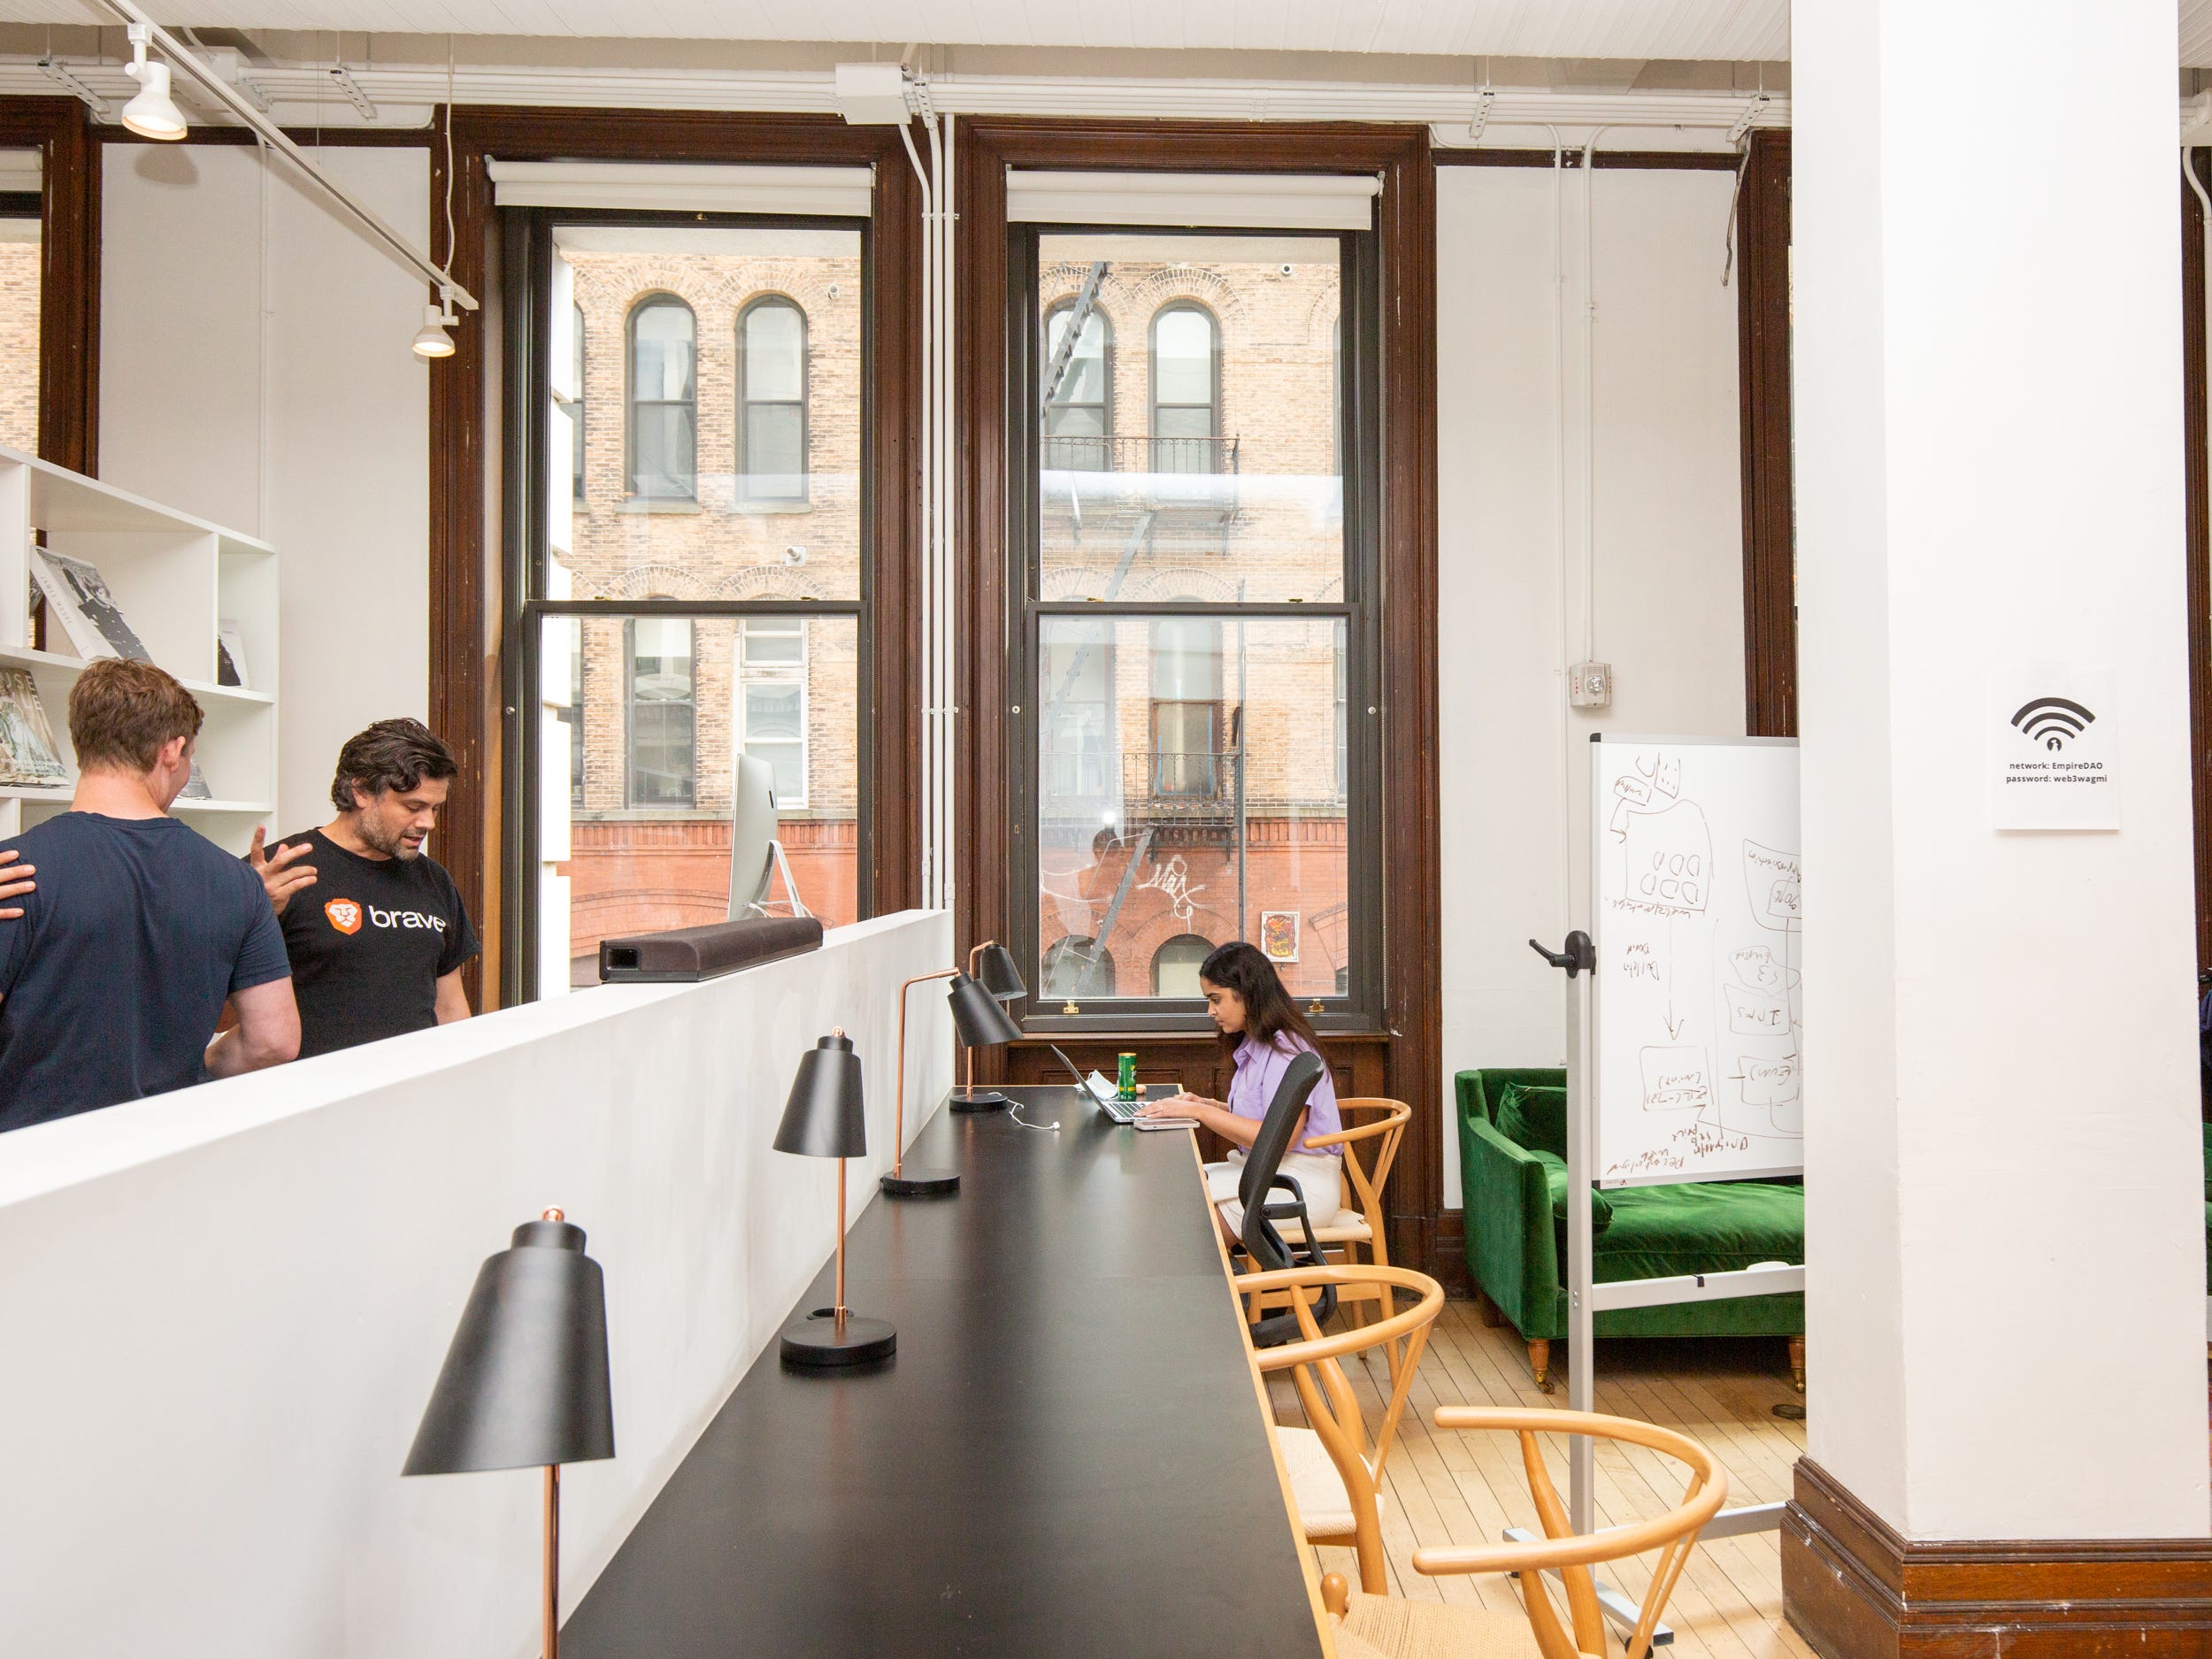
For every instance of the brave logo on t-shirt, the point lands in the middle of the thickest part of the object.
(346, 916)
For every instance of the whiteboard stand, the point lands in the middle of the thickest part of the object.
(1585, 1297)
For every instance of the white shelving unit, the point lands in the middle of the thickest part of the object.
(174, 577)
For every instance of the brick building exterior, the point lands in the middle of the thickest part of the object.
(18, 337)
(1190, 453)
(1192, 457)
(659, 857)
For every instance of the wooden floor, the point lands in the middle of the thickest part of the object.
(1448, 1488)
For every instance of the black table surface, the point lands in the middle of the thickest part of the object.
(1064, 1457)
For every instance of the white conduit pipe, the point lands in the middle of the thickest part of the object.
(926, 504)
(1589, 404)
(1559, 465)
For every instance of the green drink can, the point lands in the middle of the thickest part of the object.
(1128, 1081)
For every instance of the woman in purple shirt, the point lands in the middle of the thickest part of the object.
(1262, 1029)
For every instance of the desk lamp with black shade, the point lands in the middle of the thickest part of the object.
(525, 1383)
(826, 1117)
(979, 1020)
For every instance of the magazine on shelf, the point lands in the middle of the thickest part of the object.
(77, 595)
(28, 754)
(230, 656)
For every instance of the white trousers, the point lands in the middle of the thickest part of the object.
(1320, 1177)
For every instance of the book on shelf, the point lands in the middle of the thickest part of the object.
(230, 656)
(77, 595)
(28, 754)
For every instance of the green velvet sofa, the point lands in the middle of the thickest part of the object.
(1513, 1177)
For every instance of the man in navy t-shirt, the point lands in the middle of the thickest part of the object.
(138, 930)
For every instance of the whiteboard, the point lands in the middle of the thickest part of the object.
(1697, 995)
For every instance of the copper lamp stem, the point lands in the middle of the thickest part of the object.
(552, 1560)
(841, 1247)
(898, 1131)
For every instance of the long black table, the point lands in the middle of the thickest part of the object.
(1065, 1457)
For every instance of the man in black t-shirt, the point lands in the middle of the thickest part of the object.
(375, 929)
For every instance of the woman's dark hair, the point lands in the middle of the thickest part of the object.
(1268, 1011)
(390, 754)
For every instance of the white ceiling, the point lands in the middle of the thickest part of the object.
(1730, 31)
(1737, 31)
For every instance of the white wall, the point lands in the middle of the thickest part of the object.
(309, 427)
(1668, 557)
(224, 1307)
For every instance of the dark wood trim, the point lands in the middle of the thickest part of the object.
(305, 137)
(2197, 535)
(466, 599)
(1763, 374)
(1407, 237)
(1649, 160)
(69, 274)
(1855, 1589)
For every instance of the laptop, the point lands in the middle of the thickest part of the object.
(1103, 1094)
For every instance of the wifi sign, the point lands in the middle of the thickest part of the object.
(2053, 721)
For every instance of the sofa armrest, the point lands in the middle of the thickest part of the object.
(1511, 1248)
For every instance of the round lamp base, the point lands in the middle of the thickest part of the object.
(816, 1341)
(914, 1181)
(977, 1100)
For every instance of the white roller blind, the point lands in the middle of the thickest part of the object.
(1235, 201)
(835, 192)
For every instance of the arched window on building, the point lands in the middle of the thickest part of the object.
(1186, 745)
(1079, 405)
(1175, 965)
(662, 701)
(772, 394)
(664, 430)
(1078, 966)
(1186, 389)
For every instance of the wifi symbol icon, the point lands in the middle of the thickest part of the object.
(2052, 721)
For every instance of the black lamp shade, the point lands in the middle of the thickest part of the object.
(826, 1116)
(994, 967)
(524, 1382)
(977, 1016)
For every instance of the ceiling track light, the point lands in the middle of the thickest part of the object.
(153, 113)
(343, 79)
(58, 72)
(431, 339)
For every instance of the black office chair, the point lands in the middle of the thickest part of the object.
(1262, 1240)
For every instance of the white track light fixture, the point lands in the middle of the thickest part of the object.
(153, 113)
(431, 339)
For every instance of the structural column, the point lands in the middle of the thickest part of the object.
(2005, 1242)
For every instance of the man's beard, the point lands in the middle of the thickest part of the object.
(395, 846)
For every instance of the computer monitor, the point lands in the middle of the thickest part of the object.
(752, 836)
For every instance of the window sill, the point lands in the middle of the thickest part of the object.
(647, 504)
(771, 509)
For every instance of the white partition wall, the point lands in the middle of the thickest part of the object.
(224, 1307)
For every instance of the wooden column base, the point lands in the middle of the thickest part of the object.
(1855, 1589)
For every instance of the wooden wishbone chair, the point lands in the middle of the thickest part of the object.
(1370, 1625)
(1371, 1146)
(1335, 1468)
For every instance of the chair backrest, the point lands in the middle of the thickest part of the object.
(1372, 1130)
(1332, 1409)
(1570, 1554)
(1264, 1157)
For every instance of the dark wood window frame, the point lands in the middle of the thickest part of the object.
(746, 401)
(1399, 1056)
(474, 680)
(69, 146)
